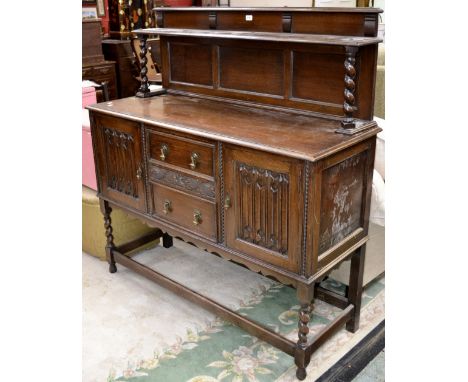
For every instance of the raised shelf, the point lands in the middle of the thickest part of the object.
(272, 9)
(263, 36)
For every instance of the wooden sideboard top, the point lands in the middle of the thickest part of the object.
(303, 38)
(298, 136)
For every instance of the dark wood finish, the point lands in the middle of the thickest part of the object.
(300, 355)
(91, 50)
(120, 51)
(139, 242)
(94, 66)
(307, 75)
(99, 72)
(302, 67)
(355, 286)
(303, 137)
(302, 38)
(264, 218)
(144, 89)
(185, 210)
(110, 246)
(170, 177)
(330, 297)
(337, 21)
(187, 153)
(251, 155)
(119, 158)
(332, 328)
(167, 240)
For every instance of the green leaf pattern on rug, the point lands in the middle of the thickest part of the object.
(243, 362)
(220, 351)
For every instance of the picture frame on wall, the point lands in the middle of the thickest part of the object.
(101, 10)
(89, 13)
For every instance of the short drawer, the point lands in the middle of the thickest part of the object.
(183, 152)
(192, 213)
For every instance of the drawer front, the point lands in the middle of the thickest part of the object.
(186, 153)
(193, 185)
(103, 70)
(192, 213)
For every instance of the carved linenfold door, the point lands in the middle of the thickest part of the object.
(119, 160)
(263, 204)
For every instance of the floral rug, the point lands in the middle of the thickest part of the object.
(208, 349)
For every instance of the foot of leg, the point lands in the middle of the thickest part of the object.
(355, 287)
(106, 211)
(301, 358)
(167, 240)
(301, 373)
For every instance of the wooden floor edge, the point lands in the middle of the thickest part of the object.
(357, 358)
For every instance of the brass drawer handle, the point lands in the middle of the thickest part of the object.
(197, 217)
(227, 202)
(194, 158)
(139, 172)
(164, 151)
(167, 206)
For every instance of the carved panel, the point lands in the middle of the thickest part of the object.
(195, 186)
(118, 155)
(341, 202)
(121, 163)
(263, 199)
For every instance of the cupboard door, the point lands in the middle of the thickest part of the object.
(119, 160)
(263, 206)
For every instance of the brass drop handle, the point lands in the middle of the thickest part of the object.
(139, 172)
(167, 206)
(164, 151)
(227, 202)
(197, 218)
(194, 158)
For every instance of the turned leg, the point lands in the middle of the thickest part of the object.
(355, 287)
(106, 211)
(167, 240)
(301, 358)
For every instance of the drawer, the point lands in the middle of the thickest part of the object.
(192, 213)
(186, 153)
(103, 70)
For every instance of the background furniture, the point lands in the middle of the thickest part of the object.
(127, 15)
(127, 69)
(94, 66)
(262, 151)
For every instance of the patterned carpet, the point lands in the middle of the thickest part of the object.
(134, 330)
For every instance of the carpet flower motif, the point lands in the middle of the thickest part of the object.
(242, 362)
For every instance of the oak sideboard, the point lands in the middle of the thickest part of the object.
(260, 148)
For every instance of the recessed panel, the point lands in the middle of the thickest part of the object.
(252, 69)
(191, 63)
(318, 77)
